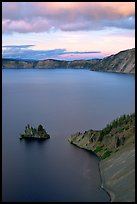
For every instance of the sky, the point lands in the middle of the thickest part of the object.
(66, 30)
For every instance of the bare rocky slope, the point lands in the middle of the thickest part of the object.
(118, 175)
(115, 147)
(123, 61)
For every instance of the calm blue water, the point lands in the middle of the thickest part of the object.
(64, 101)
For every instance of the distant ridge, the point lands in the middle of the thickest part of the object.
(123, 61)
(19, 59)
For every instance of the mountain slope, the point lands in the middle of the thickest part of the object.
(114, 137)
(123, 61)
(115, 146)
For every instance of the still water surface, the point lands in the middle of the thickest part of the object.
(64, 101)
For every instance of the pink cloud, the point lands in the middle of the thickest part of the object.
(67, 16)
(83, 56)
(96, 10)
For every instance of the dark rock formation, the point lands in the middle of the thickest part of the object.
(33, 133)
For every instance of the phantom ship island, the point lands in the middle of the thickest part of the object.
(33, 133)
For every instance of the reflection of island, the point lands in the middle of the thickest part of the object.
(33, 133)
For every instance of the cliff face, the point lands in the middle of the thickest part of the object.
(124, 61)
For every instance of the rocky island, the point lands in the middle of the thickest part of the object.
(115, 147)
(33, 133)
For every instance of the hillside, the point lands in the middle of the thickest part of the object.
(112, 138)
(118, 175)
(115, 147)
(48, 63)
(123, 62)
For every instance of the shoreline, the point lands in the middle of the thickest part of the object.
(114, 146)
(103, 185)
(117, 176)
(102, 180)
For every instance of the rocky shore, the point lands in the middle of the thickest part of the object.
(118, 175)
(115, 147)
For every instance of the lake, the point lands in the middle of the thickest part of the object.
(64, 101)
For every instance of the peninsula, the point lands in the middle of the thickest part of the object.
(33, 133)
(115, 147)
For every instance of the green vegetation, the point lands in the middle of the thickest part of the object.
(119, 133)
(98, 149)
(119, 124)
(105, 155)
(33, 133)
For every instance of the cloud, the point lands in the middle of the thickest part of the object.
(24, 17)
(23, 52)
(17, 46)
